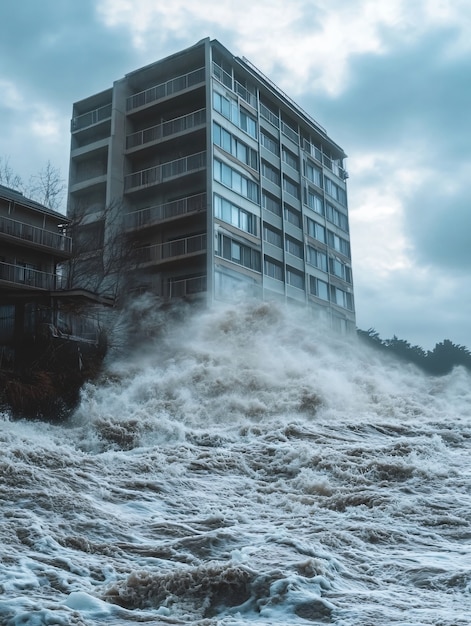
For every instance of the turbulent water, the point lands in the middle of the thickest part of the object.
(242, 467)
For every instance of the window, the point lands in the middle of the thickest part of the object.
(295, 278)
(234, 146)
(273, 269)
(314, 202)
(338, 243)
(270, 203)
(292, 216)
(270, 143)
(337, 217)
(336, 192)
(294, 247)
(313, 173)
(248, 123)
(290, 159)
(341, 298)
(315, 230)
(340, 269)
(228, 212)
(237, 182)
(291, 187)
(239, 253)
(316, 258)
(225, 106)
(271, 173)
(229, 108)
(319, 288)
(272, 235)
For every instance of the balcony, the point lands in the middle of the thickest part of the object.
(163, 90)
(155, 214)
(290, 133)
(91, 118)
(166, 129)
(166, 171)
(25, 277)
(226, 79)
(186, 287)
(171, 250)
(36, 236)
(269, 115)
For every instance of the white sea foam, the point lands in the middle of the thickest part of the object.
(242, 466)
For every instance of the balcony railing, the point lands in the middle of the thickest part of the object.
(169, 88)
(226, 79)
(92, 117)
(171, 249)
(25, 276)
(222, 76)
(154, 214)
(187, 287)
(35, 235)
(312, 149)
(161, 173)
(245, 94)
(166, 129)
(289, 132)
(269, 115)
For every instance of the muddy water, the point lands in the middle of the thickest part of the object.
(242, 467)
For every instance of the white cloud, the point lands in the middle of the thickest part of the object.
(308, 43)
(11, 95)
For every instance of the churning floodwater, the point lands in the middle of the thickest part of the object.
(240, 466)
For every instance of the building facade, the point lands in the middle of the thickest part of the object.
(32, 245)
(223, 184)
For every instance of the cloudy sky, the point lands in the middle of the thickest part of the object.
(390, 80)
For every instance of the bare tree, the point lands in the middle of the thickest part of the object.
(48, 187)
(102, 252)
(8, 177)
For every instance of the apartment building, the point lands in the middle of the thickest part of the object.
(32, 241)
(224, 186)
(32, 244)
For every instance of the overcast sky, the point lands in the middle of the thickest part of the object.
(390, 80)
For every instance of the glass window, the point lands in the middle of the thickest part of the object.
(338, 243)
(292, 216)
(248, 124)
(313, 173)
(294, 247)
(234, 146)
(228, 212)
(295, 278)
(270, 143)
(335, 191)
(238, 253)
(273, 269)
(291, 187)
(231, 178)
(315, 202)
(272, 235)
(270, 203)
(319, 288)
(316, 258)
(337, 217)
(271, 173)
(315, 230)
(291, 159)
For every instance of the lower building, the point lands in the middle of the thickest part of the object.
(222, 184)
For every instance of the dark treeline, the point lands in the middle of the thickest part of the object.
(441, 360)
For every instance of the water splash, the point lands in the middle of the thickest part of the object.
(242, 465)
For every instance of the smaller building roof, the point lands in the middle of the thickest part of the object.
(13, 195)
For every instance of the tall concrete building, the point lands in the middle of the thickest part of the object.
(223, 184)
